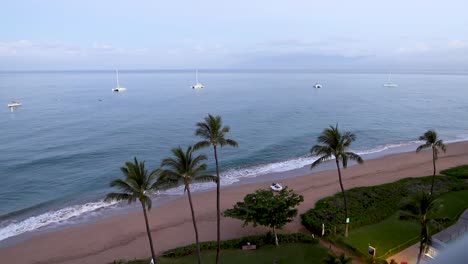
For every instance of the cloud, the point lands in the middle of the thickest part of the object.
(418, 48)
(457, 44)
(30, 49)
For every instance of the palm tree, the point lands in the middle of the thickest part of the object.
(426, 203)
(137, 185)
(335, 144)
(432, 142)
(185, 168)
(332, 259)
(213, 134)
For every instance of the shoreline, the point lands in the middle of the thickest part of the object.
(251, 174)
(122, 236)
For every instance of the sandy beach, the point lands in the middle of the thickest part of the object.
(124, 236)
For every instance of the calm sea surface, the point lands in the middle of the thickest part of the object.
(60, 150)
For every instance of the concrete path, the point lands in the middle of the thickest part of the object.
(410, 254)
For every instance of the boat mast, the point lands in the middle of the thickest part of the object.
(117, 73)
(196, 76)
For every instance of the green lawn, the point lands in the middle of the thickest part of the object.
(393, 235)
(384, 236)
(460, 172)
(451, 205)
(289, 253)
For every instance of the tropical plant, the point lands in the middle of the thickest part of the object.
(137, 185)
(333, 259)
(266, 208)
(185, 168)
(421, 210)
(213, 133)
(333, 143)
(435, 144)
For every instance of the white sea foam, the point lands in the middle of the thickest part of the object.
(49, 218)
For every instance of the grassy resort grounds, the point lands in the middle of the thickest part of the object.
(460, 172)
(375, 214)
(291, 253)
(393, 235)
(294, 248)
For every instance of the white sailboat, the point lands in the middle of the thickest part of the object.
(389, 83)
(118, 88)
(197, 84)
(13, 105)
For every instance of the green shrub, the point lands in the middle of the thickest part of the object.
(267, 239)
(368, 205)
(460, 172)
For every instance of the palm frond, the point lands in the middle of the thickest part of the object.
(440, 144)
(320, 161)
(320, 150)
(202, 144)
(124, 186)
(205, 178)
(146, 201)
(229, 142)
(355, 157)
(423, 146)
(120, 197)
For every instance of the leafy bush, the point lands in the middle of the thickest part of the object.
(460, 172)
(267, 239)
(368, 205)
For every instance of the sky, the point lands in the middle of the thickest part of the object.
(216, 34)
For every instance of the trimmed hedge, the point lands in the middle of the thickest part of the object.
(368, 205)
(267, 239)
(460, 172)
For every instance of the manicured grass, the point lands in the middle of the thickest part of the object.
(370, 205)
(460, 172)
(290, 253)
(393, 235)
(451, 205)
(384, 235)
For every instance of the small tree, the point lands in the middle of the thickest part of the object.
(267, 208)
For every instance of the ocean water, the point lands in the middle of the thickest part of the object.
(60, 150)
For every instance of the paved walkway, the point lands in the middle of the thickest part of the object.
(410, 254)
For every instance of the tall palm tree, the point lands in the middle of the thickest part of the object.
(213, 133)
(137, 185)
(185, 168)
(333, 143)
(435, 144)
(426, 204)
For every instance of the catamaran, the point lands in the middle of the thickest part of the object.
(118, 88)
(389, 83)
(197, 85)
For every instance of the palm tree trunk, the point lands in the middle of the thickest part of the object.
(424, 239)
(218, 210)
(194, 223)
(433, 175)
(149, 233)
(344, 196)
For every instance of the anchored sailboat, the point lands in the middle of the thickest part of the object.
(118, 88)
(197, 84)
(389, 83)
